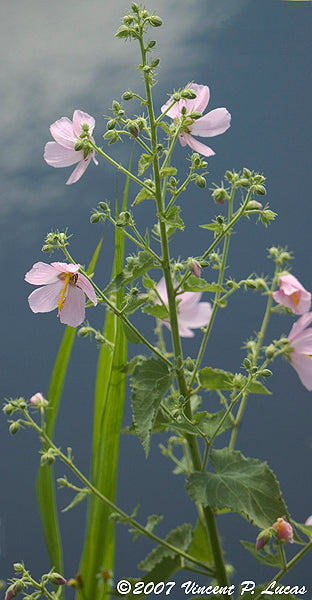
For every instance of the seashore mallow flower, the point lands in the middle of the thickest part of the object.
(67, 135)
(300, 356)
(292, 295)
(192, 314)
(213, 123)
(63, 287)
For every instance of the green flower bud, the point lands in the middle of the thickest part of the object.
(56, 579)
(14, 428)
(151, 44)
(111, 135)
(78, 146)
(219, 195)
(111, 124)
(47, 458)
(243, 182)
(116, 106)
(155, 62)
(265, 373)
(127, 95)
(195, 115)
(246, 173)
(251, 284)
(270, 351)
(254, 205)
(176, 96)
(83, 331)
(123, 32)
(155, 21)
(260, 190)
(104, 206)
(8, 409)
(135, 7)
(200, 181)
(18, 567)
(96, 217)
(247, 363)
(188, 94)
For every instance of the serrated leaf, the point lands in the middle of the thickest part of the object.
(136, 266)
(150, 381)
(144, 162)
(269, 559)
(245, 485)
(142, 195)
(168, 172)
(208, 427)
(180, 538)
(196, 284)
(78, 498)
(159, 311)
(135, 304)
(148, 283)
(173, 220)
(217, 379)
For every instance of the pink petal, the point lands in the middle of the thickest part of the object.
(188, 300)
(73, 311)
(162, 291)
(41, 273)
(79, 118)
(303, 366)
(45, 298)
(84, 284)
(79, 170)
(62, 267)
(213, 123)
(202, 98)
(197, 146)
(199, 317)
(63, 133)
(309, 520)
(299, 326)
(303, 343)
(58, 156)
(184, 330)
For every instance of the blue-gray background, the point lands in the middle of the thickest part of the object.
(255, 56)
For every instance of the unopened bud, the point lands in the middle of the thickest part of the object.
(265, 373)
(96, 217)
(284, 530)
(14, 428)
(18, 567)
(260, 190)
(200, 181)
(254, 205)
(188, 94)
(270, 351)
(155, 62)
(263, 538)
(219, 195)
(8, 409)
(83, 331)
(38, 400)
(151, 44)
(155, 21)
(127, 95)
(57, 579)
(196, 269)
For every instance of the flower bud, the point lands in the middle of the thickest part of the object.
(260, 190)
(284, 530)
(123, 32)
(155, 62)
(151, 44)
(265, 373)
(56, 579)
(8, 409)
(246, 173)
(196, 269)
(254, 205)
(38, 400)
(104, 206)
(200, 181)
(111, 124)
(270, 351)
(127, 95)
(14, 428)
(18, 567)
(47, 458)
(219, 195)
(14, 590)
(135, 7)
(188, 94)
(83, 331)
(263, 538)
(155, 21)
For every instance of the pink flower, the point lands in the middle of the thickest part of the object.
(63, 288)
(215, 122)
(66, 133)
(37, 399)
(192, 313)
(300, 340)
(309, 520)
(284, 530)
(292, 295)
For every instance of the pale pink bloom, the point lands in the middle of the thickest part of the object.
(300, 340)
(292, 295)
(309, 520)
(284, 530)
(37, 399)
(192, 314)
(63, 288)
(215, 122)
(62, 153)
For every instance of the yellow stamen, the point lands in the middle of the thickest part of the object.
(62, 297)
(295, 297)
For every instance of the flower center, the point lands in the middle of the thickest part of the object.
(295, 297)
(62, 298)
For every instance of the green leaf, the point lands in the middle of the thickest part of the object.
(173, 220)
(217, 379)
(136, 266)
(99, 545)
(150, 381)
(245, 485)
(78, 498)
(269, 559)
(144, 162)
(200, 547)
(168, 172)
(159, 311)
(180, 538)
(208, 426)
(131, 336)
(196, 284)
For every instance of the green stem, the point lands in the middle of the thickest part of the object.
(261, 335)
(221, 574)
(119, 166)
(68, 461)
